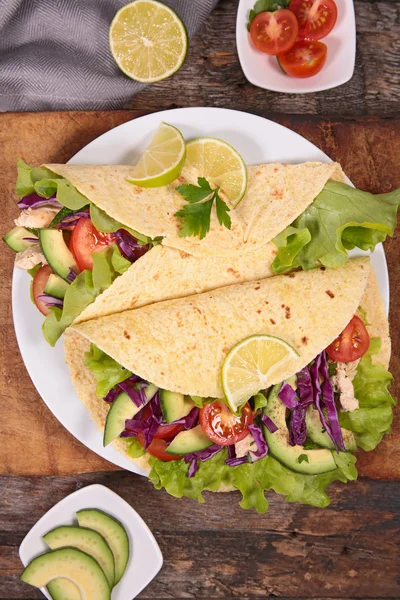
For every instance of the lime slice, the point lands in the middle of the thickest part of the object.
(220, 164)
(250, 366)
(148, 40)
(163, 159)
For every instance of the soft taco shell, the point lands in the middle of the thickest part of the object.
(165, 273)
(276, 195)
(180, 345)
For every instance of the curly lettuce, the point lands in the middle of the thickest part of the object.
(340, 218)
(107, 372)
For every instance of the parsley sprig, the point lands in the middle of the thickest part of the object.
(197, 214)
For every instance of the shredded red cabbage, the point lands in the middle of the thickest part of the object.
(129, 246)
(193, 468)
(30, 239)
(146, 426)
(71, 275)
(112, 395)
(287, 395)
(262, 448)
(231, 451)
(71, 220)
(134, 387)
(204, 455)
(34, 201)
(269, 424)
(235, 462)
(51, 300)
(297, 427)
(328, 399)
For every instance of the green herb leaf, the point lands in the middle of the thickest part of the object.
(302, 458)
(197, 214)
(266, 5)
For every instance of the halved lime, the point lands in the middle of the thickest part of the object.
(163, 159)
(220, 164)
(250, 365)
(148, 40)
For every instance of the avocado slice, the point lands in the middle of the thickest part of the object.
(319, 461)
(63, 589)
(189, 441)
(122, 409)
(57, 253)
(88, 541)
(112, 531)
(175, 406)
(15, 239)
(318, 436)
(56, 286)
(72, 564)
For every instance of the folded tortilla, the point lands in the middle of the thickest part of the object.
(276, 194)
(180, 345)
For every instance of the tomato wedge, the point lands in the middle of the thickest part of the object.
(38, 284)
(222, 426)
(351, 344)
(316, 18)
(305, 59)
(157, 448)
(274, 32)
(85, 240)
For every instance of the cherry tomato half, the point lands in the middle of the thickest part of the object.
(38, 284)
(316, 18)
(157, 448)
(351, 344)
(222, 426)
(305, 59)
(85, 240)
(273, 32)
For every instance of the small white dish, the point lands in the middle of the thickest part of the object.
(145, 558)
(263, 70)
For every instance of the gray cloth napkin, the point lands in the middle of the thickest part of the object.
(54, 54)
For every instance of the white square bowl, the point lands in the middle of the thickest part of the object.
(263, 70)
(145, 559)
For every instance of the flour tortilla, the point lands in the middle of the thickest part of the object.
(165, 273)
(275, 196)
(76, 345)
(180, 345)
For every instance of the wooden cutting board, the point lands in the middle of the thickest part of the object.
(31, 439)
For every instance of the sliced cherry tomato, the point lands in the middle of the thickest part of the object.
(222, 426)
(351, 344)
(157, 448)
(38, 284)
(273, 32)
(316, 18)
(305, 59)
(85, 240)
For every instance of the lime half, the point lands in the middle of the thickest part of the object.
(250, 365)
(148, 40)
(163, 159)
(220, 164)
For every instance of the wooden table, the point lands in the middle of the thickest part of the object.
(216, 550)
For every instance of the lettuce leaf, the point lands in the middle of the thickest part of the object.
(47, 184)
(105, 369)
(251, 479)
(340, 219)
(103, 222)
(373, 419)
(108, 264)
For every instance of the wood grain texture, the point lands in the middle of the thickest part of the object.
(215, 550)
(361, 146)
(212, 76)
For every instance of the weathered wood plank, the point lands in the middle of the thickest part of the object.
(216, 550)
(212, 75)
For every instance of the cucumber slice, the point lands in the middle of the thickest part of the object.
(175, 406)
(189, 441)
(316, 461)
(72, 564)
(56, 286)
(112, 531)
(57, 253)
(122, 409)
(318, 436)
(86, 540)
(15, 239)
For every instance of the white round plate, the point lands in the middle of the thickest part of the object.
(263, 70)
(258, 141)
